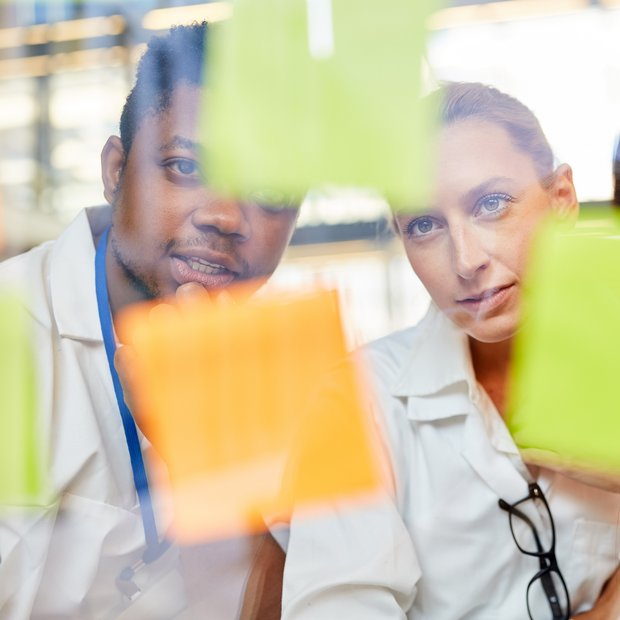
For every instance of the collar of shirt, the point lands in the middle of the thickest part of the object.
(72, 283)
(438, 358)
(438, 382)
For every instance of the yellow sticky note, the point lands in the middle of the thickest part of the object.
(21, 449)
(305, 93)
(565, 396)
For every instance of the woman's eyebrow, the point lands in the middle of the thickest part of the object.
(486, 186)
(179, 142)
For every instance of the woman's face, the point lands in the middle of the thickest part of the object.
(470, 247)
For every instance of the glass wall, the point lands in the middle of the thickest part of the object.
(66, 67)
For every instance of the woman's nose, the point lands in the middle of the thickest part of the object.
(222, 214)
(468, 252)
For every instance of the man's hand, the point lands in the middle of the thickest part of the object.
(607, 607)
(124, 358)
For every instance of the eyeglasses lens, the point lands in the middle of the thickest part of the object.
(531, 526)
(547, 597)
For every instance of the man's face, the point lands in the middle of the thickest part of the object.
(170, 229)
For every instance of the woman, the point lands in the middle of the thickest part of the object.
(469, 531)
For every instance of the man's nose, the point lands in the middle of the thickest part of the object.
(469, 253)
(222, 214)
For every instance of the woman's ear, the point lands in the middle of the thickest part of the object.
(564, 203)
(112, 162)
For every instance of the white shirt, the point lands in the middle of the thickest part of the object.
(442, 548)
(62, 560)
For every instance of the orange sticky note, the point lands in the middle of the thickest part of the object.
(228, 396)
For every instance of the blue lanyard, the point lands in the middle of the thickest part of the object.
(154, 548)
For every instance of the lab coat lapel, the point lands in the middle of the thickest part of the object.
(497, 469)
(435, 362)
(439, 382)
(72, 282)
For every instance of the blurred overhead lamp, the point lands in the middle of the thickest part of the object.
(69, 30)
(162, 19)
(503, 11)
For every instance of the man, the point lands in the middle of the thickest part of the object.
(98, 549)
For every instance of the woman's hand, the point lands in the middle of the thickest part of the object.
(607, 607)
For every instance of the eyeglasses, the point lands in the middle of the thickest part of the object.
(533, 531)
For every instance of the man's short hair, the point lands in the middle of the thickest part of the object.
(170, 59)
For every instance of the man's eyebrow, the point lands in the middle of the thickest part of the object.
(179, 142)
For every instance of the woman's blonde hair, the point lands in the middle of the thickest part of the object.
(463, 100)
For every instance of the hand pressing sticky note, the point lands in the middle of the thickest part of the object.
(227, 394)
(21, 449)
(306, 93)
(564, 409)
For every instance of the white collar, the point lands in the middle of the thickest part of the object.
(72, 282)
(438, 359)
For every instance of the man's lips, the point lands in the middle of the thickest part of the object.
(208, 273)
(208, 260)
(203, 266)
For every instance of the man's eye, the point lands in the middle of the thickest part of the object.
(186, 167)
(272, 201)
(493, 204)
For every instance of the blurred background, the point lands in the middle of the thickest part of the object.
(66, 67)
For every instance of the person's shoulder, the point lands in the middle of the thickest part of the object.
(28, 275)
(19, 270)
(385, 355)
(392, 343)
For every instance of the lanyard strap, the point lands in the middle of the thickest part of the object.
(153, 547)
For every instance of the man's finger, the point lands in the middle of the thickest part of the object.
(190, 293)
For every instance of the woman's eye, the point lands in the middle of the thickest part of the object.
(420, 227)
(493, 204)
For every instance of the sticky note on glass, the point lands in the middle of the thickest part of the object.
(21, 449)
(224, 395)
(306, 93)
(565, 398)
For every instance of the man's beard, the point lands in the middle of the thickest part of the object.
(146, 290)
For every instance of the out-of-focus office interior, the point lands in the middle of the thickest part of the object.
(67, 65)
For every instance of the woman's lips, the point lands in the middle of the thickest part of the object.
(486, 301)
(193, 269)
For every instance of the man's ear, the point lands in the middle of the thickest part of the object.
(112, 162)
(564, 203)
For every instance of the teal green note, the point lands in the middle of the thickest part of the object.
(308, 93)
(21, 455)
(565, 400)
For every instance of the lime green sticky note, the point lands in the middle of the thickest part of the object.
(307, 93)
(21, 456)
(564, 406)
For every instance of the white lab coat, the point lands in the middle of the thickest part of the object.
(442, 548)
(62, 560)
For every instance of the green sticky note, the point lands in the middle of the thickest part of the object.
(564, 406)
(308, 93)
(21, 455)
